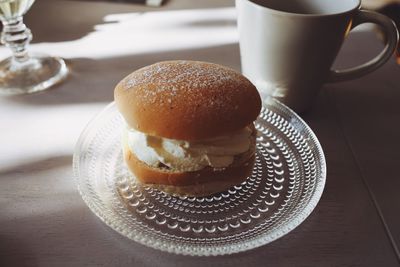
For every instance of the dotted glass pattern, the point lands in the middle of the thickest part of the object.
(287, 182)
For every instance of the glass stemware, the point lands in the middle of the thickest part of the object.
(24, 72)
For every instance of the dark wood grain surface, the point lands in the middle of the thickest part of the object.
(44, 221)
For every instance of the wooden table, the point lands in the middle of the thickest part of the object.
(44, 221)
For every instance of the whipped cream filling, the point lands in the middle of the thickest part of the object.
(181, 155)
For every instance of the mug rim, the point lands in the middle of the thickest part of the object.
(293, 14)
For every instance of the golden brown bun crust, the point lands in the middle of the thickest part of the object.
(198, 183)
(187, 100)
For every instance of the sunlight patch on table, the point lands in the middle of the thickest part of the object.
(149, 32)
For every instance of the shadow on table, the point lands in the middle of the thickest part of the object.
(94, 80)
(36, 166)
(14, 252)
(30, 216)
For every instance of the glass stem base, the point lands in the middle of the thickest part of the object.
(37, 73)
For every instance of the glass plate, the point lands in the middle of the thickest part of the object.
(287, 181)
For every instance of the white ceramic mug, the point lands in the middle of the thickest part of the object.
(287, 47)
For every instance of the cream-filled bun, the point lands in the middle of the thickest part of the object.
(189, 126)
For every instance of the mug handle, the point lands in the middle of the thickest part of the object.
(391, 37)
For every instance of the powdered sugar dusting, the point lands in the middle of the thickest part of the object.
(170, 72)
(174, 78)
